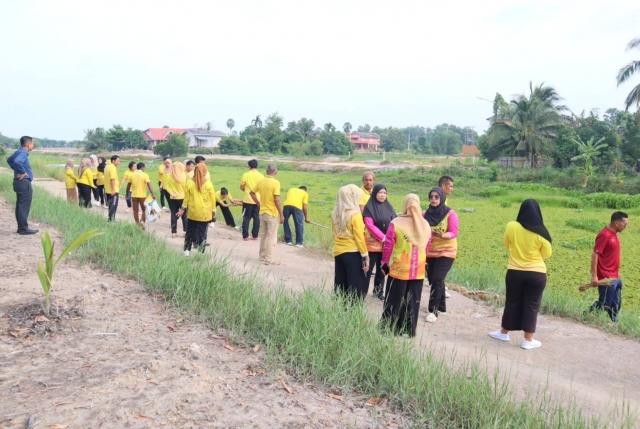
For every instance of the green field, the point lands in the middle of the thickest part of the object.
(484, 209)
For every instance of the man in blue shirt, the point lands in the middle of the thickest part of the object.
(22, 177)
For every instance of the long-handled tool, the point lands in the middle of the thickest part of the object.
(317, 224)
(603, 282)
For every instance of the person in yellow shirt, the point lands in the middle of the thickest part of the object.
(529, 243)
(296, 205)
(368, 180)
(126, 178)
(175, 180)
(85, 183)
(199, 159)
(139, 185)
(270, 212)
(99, 181)
(189, 169)
(163, 194)
(95, 161)
(112, 186)
(200, 207)
(250, 207)
(349, 246)
(70, 180)
(224, 200)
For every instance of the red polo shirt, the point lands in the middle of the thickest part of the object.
(608, 249)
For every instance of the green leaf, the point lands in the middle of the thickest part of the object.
(47, 248)
(45, 280)
(79, 241)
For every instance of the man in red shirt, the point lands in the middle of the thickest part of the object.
(605, 264)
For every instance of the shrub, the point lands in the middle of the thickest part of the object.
(592, 225)
(610, 200)
(176, 145)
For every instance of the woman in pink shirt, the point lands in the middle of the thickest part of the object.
(377, 214)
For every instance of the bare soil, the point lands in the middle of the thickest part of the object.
(577, 363)
(112, 356)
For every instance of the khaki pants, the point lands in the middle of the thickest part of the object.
(72, 195)
(268, 236)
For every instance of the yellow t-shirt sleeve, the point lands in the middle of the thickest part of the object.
(545, 249)
(357, 229)
(305, 199)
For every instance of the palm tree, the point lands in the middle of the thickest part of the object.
(347, 127)
(588, 151)
(530, 124)
(230, 124)
(626, 72)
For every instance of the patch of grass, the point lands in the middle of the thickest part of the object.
(591, 225)
(308, 332)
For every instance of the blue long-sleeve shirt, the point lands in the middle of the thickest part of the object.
(19, 163)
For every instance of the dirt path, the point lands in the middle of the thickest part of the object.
(122, 358)
(578, 362)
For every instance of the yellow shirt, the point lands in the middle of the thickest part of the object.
(99, 178)
(297, 198)
(527, 250)
(111, 172)
(190, 174)
(353, 241)
(70, 178)
(139, 181)
(200, 204)
(126, 177)
(227, 200)
(174, 188)
(364, 199)
(249, 180)
(161, 169)
(86, 178)
(268, 188)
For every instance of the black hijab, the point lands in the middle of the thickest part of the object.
(381, 213)
(530, 217)
(434, 215)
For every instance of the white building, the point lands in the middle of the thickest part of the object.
(198, 137)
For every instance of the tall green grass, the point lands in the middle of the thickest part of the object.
(314, 334)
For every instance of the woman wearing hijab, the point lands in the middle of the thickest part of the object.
(441, 251)
(378, 214)
(349, 246)
(93, 164)
(85, 183)
(403, 257)
(200, 206)
(174, 182)
(529, 243)
(70, 183)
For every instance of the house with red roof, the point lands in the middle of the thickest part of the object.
(153, 136)
(364, 142)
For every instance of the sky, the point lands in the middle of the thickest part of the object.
(67, 66)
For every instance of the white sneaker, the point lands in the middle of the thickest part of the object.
(431, 318)
(165, 209)
(289, 243)
(529, 345)
(498, 335)
(299, 246)
(186, 253)
(447, 294)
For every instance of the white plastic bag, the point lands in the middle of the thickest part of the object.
(152, 211)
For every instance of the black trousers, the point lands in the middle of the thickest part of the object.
(162, 196)
(524, 295)
(402, 305)
(100, 192)
(375, 259)
(112, 202)
(174, 206)
(228, 216)
(249, 212)
(84, 195)
(196, 235)
(24, 195)
(437, 270)
(128, 200)
(349, 278)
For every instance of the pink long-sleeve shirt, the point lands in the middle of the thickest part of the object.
(374, 231)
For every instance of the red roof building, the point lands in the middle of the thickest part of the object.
(153, 136)
(470, 150)
(366, 142)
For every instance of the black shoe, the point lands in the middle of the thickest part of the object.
(28, 232)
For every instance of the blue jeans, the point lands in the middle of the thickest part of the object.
(609, 299)
(298, 222)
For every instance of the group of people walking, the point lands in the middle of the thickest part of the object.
(403, 248)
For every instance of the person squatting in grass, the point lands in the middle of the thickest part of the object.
(368, 180)
(250, 208)
(99, 181)
(138, 187)
(441, 251)
(349, 246)
(378, 214)
(296, 205)
(174, 182)
(126, 178)
(528, 243)
(404, 258)
(605, 264)
(22, 178)
(199, 205)
(85, 183)
(112, 186)
(225, 200)
(270, 213)
(70, 180)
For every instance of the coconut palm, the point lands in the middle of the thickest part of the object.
(230, 124)
(626, 72)
(347, 127)
(529, 126)
(588, 151)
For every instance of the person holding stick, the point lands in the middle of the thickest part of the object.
(605, 266)
(225, 200)
(349, 246)
(296, 205)
(250, 207)
(529, 243)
